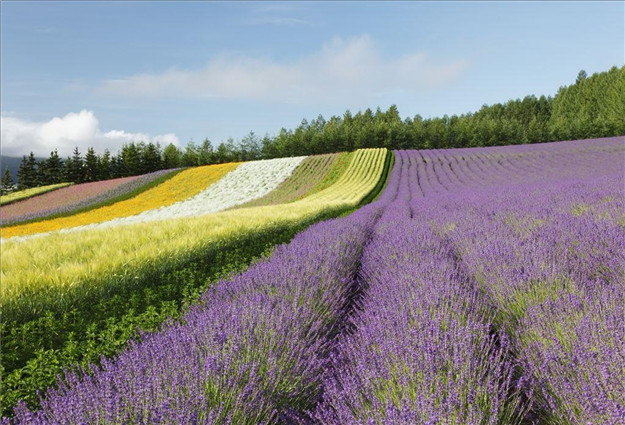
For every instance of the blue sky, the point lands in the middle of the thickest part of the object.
(104, 73)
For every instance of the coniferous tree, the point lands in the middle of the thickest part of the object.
(105, 171)
(172, 157)
(190, 157)
(91, 168)
(205, 153)
(130, 160)
(74, 167)
(7, 184)
(27, 173)
(151, 158)
(54, 168)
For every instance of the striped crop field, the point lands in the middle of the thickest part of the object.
(54, 278)
(29, 193)
(79, 197)
(183, 185)
(305, 177)
(465, 286)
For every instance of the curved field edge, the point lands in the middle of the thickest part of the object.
(179, 187)
(195, 268)
(107, 201)
(298, 185)
(29, 193)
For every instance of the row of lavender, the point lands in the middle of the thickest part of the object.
(443, 333)
(523, 281)
(423, 351)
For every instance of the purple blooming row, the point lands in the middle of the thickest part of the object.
(552, 260)
(422, 351)
(73, 198)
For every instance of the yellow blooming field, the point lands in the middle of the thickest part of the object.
(182, 186)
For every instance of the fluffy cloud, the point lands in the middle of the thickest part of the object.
(342, 70)
(80, 129)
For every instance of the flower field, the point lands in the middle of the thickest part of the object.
(71, 199)
(29, 193)
(483, 286)
(183, 185)
(52, 282)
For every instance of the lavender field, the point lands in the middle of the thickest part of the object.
(484, 286)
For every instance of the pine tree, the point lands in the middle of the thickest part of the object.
(205, 153)
(105, 166)
(131, 160)
(91, 166)
(172, 157)
(27, 173)
(74, 167)
(54, 168)
(151, 158)
(7, 184)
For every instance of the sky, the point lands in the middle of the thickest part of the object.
(102, 74)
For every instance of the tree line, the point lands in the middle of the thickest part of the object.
(591, 107)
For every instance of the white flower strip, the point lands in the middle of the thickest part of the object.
(248, 181)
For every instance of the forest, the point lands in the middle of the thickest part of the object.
(592, 107)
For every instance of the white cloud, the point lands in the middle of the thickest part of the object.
(343, 70)
(82, 129)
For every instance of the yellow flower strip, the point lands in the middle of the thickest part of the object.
(182, 186)
(57, 267)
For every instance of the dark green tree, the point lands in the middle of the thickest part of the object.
(130, 159)
(91, 168)
(27, 172)
(172, 157)
(105, 170)
(151, 158)
(74, 167)
(190, 158)
(7, 185)
(54, 168)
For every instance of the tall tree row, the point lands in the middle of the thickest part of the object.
(591, 107)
